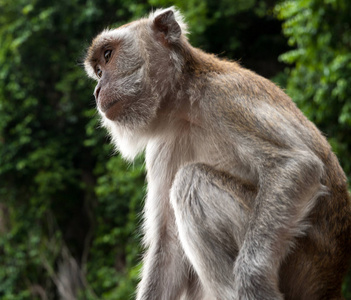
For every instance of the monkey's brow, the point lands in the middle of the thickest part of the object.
(91, 57)
(97, 47)
(94, 51)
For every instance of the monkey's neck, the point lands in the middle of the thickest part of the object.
(178, 109)
(200, 63)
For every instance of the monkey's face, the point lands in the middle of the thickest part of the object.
(136, 67)
(117, 62)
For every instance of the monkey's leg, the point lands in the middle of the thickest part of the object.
(212, 210)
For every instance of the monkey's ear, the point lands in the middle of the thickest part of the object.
(167, 24)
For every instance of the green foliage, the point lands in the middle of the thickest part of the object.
(320, 81)
(59, 186)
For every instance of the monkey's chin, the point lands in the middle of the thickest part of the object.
(113, 112)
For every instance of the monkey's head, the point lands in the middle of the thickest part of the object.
(136, 66)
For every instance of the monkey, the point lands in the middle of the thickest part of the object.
(245, 198)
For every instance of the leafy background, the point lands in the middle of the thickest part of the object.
(69, 206)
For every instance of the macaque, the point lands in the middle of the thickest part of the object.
(245, 198)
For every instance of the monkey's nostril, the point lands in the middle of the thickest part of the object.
(96, 93)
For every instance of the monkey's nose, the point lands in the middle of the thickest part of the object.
(97, 92)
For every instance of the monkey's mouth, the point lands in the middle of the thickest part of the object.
(112, 109)
(105, 106)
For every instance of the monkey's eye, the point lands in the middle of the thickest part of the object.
(107, 55)
(99, 72)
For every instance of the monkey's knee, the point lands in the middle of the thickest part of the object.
(206, 199)
(194, 195)
(188, 186)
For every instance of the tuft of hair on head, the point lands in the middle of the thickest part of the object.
(170, 22)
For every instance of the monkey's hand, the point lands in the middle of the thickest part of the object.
(254, 284)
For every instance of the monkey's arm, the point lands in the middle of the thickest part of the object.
(289, 182)
(165, 271)
(286, 195)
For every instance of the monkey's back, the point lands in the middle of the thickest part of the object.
(319, 259)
